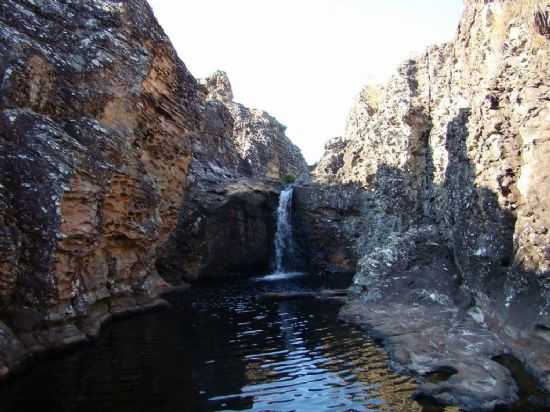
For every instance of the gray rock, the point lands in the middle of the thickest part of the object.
(449, 158)
(102, 132)
(227, 222)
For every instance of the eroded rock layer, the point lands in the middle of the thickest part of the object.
(451, 159)
(102, 129)
(97, 115)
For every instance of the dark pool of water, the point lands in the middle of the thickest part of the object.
(221, 348)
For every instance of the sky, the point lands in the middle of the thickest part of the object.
(304, 61)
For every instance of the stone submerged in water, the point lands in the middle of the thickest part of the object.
(337, 295)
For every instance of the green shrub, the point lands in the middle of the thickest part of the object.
(288, 179)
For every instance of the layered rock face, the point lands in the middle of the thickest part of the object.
(102, 128)
(100, 124)
(97, 120)
(451, 156)
(227, 223)
(261, 145)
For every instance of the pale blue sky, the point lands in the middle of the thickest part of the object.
(303, 61)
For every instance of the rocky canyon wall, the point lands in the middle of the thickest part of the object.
(227, 223)
(97, 119)
(103, 131)
(451, 158)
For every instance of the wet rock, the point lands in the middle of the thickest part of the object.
(325, 294)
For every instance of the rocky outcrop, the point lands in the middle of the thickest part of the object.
(227, 229)
(327, 169)
(97, 119)
(102, 129)
(259, 139)
(329, 226)
(227, 223)
(409, 295)
(456, 142)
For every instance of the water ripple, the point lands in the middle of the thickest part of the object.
(222, 349)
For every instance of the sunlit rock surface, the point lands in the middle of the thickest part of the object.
(261, 144)
(450, 157)
(97, 116)
(100, 124)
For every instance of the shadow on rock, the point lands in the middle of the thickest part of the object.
(438, 280)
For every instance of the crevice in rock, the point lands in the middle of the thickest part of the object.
(440, 374)
(530, 393)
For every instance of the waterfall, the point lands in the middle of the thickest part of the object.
(284, 242)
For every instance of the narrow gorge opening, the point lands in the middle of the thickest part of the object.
(128, 184)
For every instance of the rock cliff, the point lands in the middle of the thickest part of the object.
(450, 159)
(102, 131)
(97, 118)
(262, 147)
(227, 223)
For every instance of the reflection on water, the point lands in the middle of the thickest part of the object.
(279, 276)
(221, 348)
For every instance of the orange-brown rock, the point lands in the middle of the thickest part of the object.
(97, 116)
(102, 130)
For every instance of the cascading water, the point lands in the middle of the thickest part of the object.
(284, 242)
